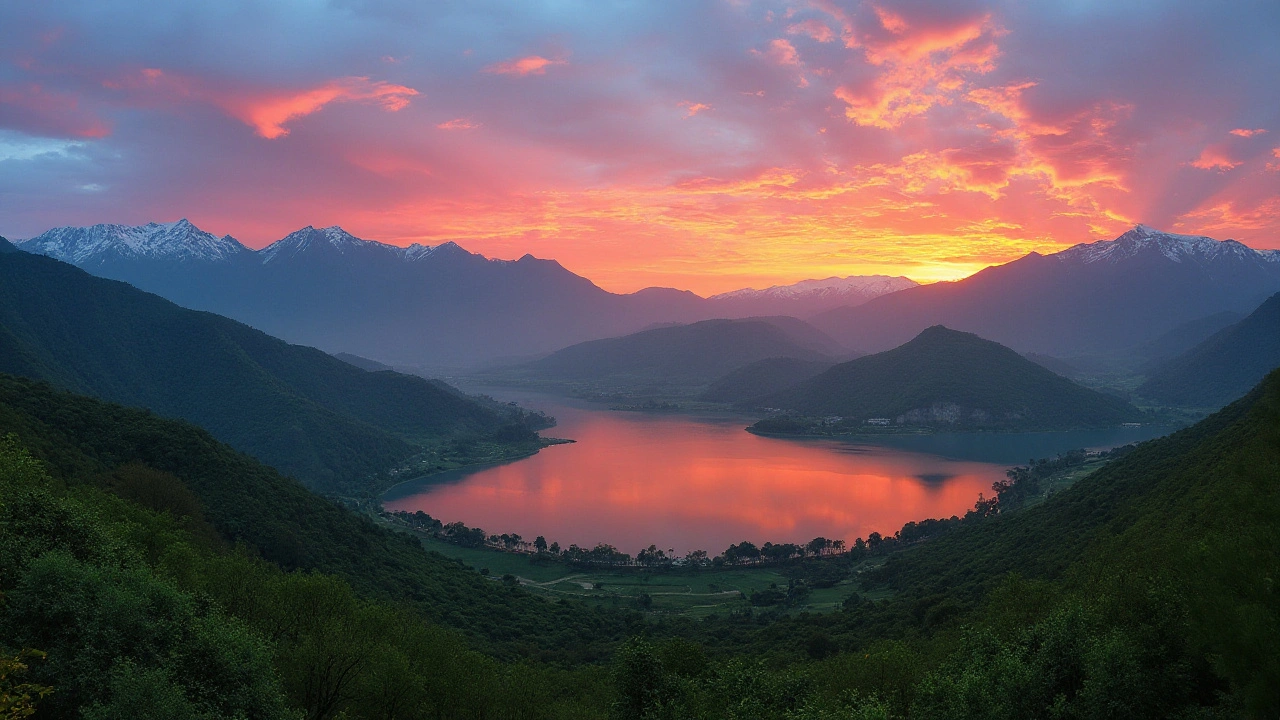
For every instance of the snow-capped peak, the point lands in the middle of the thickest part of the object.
(864, 286)
(309, 238)
(1178, 248)
(418, 251)
(179, 240)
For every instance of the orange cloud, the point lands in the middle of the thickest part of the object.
(918, 69)
(458, 124)
(531, 65)
(268, 114)
(693, 108)
(266, 111)
(1233, 215)
(815, 29)
(1215, 158)
(1246, 133)
(890, 21)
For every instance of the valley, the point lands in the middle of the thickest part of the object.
(686, 504)
(719, 360)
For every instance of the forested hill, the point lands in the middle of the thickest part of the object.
(1224, 366)
(763, 377)
(952, 379)
(302, 411)
(83, 441)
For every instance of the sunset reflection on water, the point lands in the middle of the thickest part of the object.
(685, 483)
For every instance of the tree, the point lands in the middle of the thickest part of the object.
(18, 699)
(540, 544)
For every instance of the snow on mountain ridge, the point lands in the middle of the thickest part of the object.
(859, 285)
(179, 240)
(182, 240)
(1177, 248)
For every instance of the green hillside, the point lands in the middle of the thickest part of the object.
(945, 378)
(1143, 591)
(82, 441)
(763, 377)
(304, 412)
(1225, 366)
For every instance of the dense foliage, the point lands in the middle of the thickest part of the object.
(83, 441)
(1223, 367)
(152, 567)
(951, 379)
(306, 413)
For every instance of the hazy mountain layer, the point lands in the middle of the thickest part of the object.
(1225, 366)
(681, 356)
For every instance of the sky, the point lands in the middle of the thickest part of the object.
(700, 144)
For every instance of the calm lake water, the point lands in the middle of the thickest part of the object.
(687, 482)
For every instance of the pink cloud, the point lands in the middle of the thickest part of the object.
(458, 124)
(1215, 158)
(693, 108)
(267, 114)
(1246, 133)
(815, 29)
(783, 52)
(892, 22)
(267, 111)
(531, 65)
(32, 108)
(919, 66)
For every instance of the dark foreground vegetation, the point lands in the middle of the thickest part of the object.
(148, 571)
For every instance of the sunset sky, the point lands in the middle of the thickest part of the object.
(706, 145)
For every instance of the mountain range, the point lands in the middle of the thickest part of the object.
(435, 306)
(318, 418)
(1104, 297)
(444, 307)
(946, 378)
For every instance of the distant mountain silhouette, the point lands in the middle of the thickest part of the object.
(685, 355)
(1186, 336)
(1103, 297)
(1223, 367)
(435, 306)
(952, 379)
(363, 363)
(763, 377)
(807, 297)
(296, 408)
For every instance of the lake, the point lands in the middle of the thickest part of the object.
(686, 482)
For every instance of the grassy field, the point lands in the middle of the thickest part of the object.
(686, 592)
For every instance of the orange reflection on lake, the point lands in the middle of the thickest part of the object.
(683, 483)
